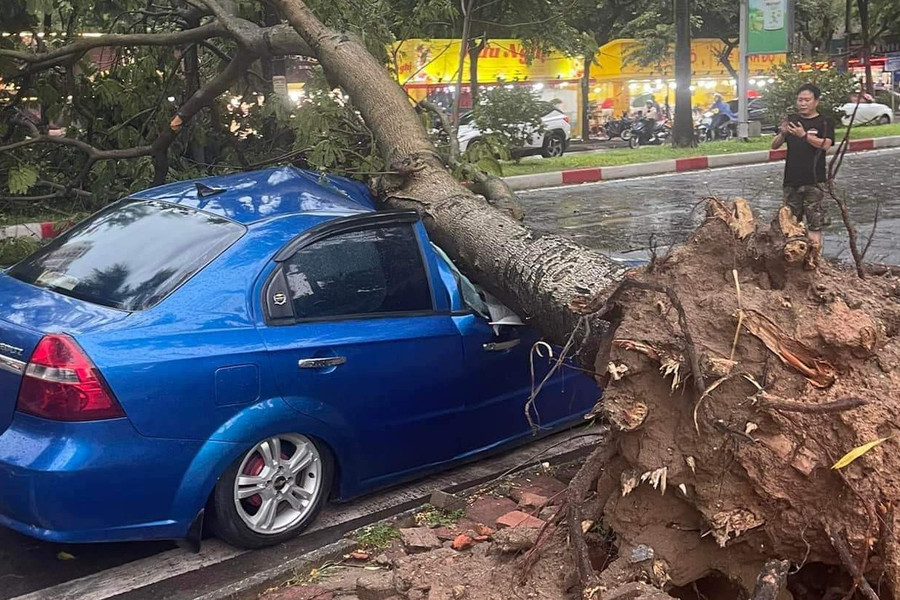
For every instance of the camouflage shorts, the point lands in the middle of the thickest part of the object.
(806, 201)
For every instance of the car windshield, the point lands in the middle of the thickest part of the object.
(130, 255)
(466, 118)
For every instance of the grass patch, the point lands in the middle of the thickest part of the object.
(435, 517)
(377, 536)
(628, 156)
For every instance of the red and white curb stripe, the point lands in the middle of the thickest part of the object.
(50, 229)
(38, 231)
(678, 165)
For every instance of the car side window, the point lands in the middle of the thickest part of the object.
(371, 271)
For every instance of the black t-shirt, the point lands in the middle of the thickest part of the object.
(805, 164)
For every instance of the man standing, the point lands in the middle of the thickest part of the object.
(808, 135)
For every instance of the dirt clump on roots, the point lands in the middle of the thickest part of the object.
(714, 475)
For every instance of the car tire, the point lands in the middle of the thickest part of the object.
(290, 489)
(554, 145)
(473, 145)
(884, 120)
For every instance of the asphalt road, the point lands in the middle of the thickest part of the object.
(618, 217)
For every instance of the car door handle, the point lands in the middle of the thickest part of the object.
(501, 346)
(321, 363)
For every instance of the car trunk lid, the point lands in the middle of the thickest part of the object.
(27, 313)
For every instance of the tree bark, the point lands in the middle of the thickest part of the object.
(725, 57)
(585, 102)
(864, 27)
(474, 53)
(538, 276)
(683, 131)
(464, 43)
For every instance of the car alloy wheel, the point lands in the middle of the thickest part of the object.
(278, 484)
(555, 146)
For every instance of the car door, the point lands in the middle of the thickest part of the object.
(499, 381)
(355, 340)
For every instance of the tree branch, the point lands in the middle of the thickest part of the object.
(494, 189)
(44, 60)
(278, 40)
(159, 148)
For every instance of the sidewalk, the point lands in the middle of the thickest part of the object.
(677, 165)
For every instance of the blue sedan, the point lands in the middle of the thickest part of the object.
(243, 349)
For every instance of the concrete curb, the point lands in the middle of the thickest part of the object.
(678, 165)
(252, 586)
(38, 231)
(50, 229)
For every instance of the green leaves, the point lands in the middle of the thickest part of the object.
(782, 95)
(21, 179)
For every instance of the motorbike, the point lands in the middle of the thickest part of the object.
(647, 131)
(715, 126)
(615, 128)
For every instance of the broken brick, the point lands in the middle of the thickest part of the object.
(445, 533)
(447, 502)
(462, 542)
(517, 518)
(419, 539)
(488, 509)
(530, 500)
(542, 485)
(483, 530)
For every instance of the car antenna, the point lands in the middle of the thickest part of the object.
(204, 191)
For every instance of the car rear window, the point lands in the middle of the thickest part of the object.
(130, 255)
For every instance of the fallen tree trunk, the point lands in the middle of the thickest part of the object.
(537, 276)
(719, 468)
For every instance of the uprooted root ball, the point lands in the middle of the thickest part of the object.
(799, 367)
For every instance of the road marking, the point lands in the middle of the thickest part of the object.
(172, 563)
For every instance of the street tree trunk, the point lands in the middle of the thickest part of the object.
(474, 53)
(683, 131)
(585, 98)
(538, 276)
(865, 33)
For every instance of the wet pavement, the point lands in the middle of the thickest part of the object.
(618, 217)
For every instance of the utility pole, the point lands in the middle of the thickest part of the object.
(743, 75)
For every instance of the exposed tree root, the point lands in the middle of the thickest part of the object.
(818, 377)
(578, 491)
(843, 550)
(771, 580)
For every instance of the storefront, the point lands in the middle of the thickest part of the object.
(429, 68)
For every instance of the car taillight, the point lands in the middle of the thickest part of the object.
(566, 118)
(61, 383)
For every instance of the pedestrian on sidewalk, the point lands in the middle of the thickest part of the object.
(808, 135)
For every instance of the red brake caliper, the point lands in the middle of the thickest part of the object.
(254, 467)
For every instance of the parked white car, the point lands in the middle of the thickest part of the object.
(868, 113)
(552, 141)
